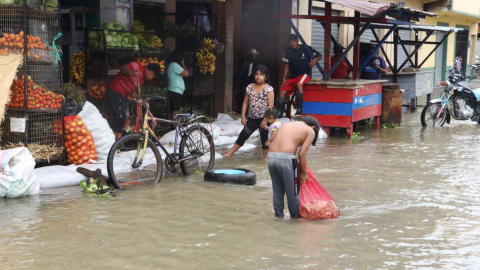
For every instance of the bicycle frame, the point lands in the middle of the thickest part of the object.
(146, 130)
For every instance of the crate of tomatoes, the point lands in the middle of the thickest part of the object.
(38, 96)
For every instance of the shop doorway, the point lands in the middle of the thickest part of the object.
(461, 46)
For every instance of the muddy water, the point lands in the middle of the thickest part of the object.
(409, 198)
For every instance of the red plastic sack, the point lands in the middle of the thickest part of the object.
(315, 202)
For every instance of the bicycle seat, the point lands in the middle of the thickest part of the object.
(180, 116)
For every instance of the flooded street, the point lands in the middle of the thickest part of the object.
(409, 199)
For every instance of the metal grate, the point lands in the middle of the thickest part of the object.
(41, 106)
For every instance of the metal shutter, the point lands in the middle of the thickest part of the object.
(439, 60)
(368, 37)
(318, 37)
(478, 49)
(401, 56)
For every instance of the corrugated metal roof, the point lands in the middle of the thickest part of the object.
(417, 27)
(367, 8)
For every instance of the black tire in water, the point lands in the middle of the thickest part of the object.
(123, 153)
(429, 115)
(247, 178)
(197, 142)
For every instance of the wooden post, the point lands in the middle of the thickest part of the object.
(218, 8)
(170, 7)
(229, 42)
(328, 39)
(356, 49)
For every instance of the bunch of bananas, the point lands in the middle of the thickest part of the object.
(138, 26)
(206, 58)
(78, 67)
(155, 42)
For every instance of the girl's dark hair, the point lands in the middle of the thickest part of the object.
(271, 113)
(176, 57)
(311, 121)
(155, 68)
(263, 69)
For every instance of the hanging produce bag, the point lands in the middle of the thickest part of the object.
(78, 141)
(315, 202)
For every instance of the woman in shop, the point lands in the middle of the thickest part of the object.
(125, 85)
(176, 85)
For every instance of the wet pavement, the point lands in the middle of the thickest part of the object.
(409, 199)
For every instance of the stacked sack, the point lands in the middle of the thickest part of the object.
(78, 141)
(100, 129)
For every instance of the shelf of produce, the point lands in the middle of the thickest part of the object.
(39, 110)
(17, 10)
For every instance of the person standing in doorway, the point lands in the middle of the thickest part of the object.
(375, 66)
(245, 77)
(299, 65)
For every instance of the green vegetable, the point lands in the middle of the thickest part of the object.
(91, 188)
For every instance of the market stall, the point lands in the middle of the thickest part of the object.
(341, 100)
(34, 113)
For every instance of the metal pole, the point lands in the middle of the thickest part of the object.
(25, 64)
(395, 54)
(356, 48)
(416, 46)
(328, 41)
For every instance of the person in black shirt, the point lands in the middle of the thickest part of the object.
(298, 63)
(245, 77)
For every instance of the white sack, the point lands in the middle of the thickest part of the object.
(225, 140)
(228, 128)
(224, 117)
(17, 177)
(284, 120)
(102, 134)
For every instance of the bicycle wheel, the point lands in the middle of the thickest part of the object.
(123, 164)
(429, 115)
(198, 146)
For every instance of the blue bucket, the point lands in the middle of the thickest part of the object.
(228, 171)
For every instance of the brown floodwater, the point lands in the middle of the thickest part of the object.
(409, 199)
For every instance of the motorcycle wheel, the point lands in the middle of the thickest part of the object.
(429, 115)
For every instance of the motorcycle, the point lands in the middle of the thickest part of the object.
(457, 101)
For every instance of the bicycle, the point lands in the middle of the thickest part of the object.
(142, 159)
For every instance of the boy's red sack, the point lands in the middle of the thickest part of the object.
(315, 202)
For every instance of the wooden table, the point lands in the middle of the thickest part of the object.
(415, 84)
(340, 103)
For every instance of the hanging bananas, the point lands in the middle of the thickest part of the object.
(205, 57)
(78, 67)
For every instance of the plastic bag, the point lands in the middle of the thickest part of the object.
(102, 134)
(315, 202)
(17, 177)
(224, 117)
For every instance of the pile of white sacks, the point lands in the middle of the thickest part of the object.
(225, 132)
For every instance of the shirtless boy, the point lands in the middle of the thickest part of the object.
(282, 160)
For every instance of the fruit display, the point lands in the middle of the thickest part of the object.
(78, 67)
(145, 60)
(172, 30)
(147, 39)
(14, 44)
(78, 141)
(38, 97)
(206, 58)
(98, 91)
(114, 38)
